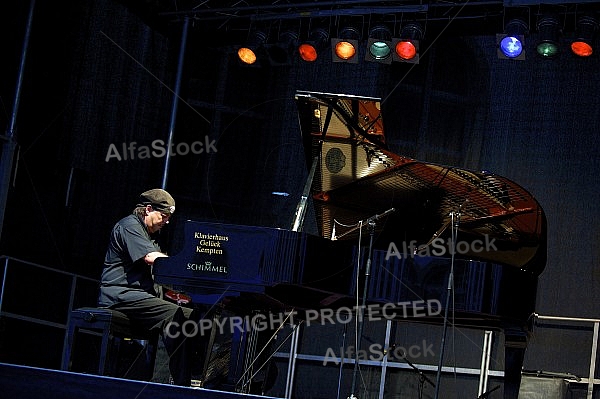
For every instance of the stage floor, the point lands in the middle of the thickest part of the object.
(26, 382)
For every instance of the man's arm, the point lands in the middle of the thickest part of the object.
(150, 257)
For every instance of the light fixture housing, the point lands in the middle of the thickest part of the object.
(583, 44)
(249, 53)
(316, 42)
(280, 52)
(511, 43)
(406, 47)
(344, 48)
(549, 34)
(379, 45)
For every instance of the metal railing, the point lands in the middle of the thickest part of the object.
(384, 364)
(75, 279)
(591, 380)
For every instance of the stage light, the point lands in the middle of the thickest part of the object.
(248, 54)
(583, 45)
(548, 31)
(345, 47)
(406, 47)
(317, 41)
(379, 45)
(510, 44)
(279, 53)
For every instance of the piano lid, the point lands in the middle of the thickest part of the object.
(356, 177)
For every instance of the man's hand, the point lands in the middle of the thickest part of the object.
(150, 257)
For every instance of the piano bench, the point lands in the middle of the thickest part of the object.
(114, 329)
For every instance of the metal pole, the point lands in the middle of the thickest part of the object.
(69, 311)
(590, 389)
(341, 368)
(455, 221)
(3, 283)
(485, 362)
(384, 361)
(289, 384)
(301, 208)
(184, 33)
(360, 310)
(10, 145)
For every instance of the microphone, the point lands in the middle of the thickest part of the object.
(370, 221)
(381, 215)
(391, 348)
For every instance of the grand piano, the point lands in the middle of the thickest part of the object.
(413, 222)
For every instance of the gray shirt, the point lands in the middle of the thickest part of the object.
(126, 276)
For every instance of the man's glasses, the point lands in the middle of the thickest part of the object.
(164, 215)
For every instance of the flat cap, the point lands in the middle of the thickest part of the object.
(159, 199)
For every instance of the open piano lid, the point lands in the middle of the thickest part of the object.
(357, 177)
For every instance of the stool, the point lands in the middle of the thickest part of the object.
(108, 324)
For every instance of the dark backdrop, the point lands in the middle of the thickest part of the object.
(97, 75)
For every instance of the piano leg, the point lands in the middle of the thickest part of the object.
(210, 344)
(514, 353)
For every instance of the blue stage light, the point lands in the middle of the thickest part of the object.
(511, 46)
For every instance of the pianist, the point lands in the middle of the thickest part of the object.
(127, 284)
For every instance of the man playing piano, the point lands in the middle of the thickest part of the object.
(127, 284)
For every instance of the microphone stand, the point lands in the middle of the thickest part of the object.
(371, 223)
(422, 378)
(488, 393)
(455, 221)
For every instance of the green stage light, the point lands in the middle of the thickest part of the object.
(379, 45)
(549, 32)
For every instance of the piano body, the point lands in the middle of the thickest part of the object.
(226, 261)
(498, 228)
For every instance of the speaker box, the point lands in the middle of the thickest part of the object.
(542, 388)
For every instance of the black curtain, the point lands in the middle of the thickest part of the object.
(98, 80)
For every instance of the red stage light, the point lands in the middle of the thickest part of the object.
(307, 52)
(582, 49)
(406, 50)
